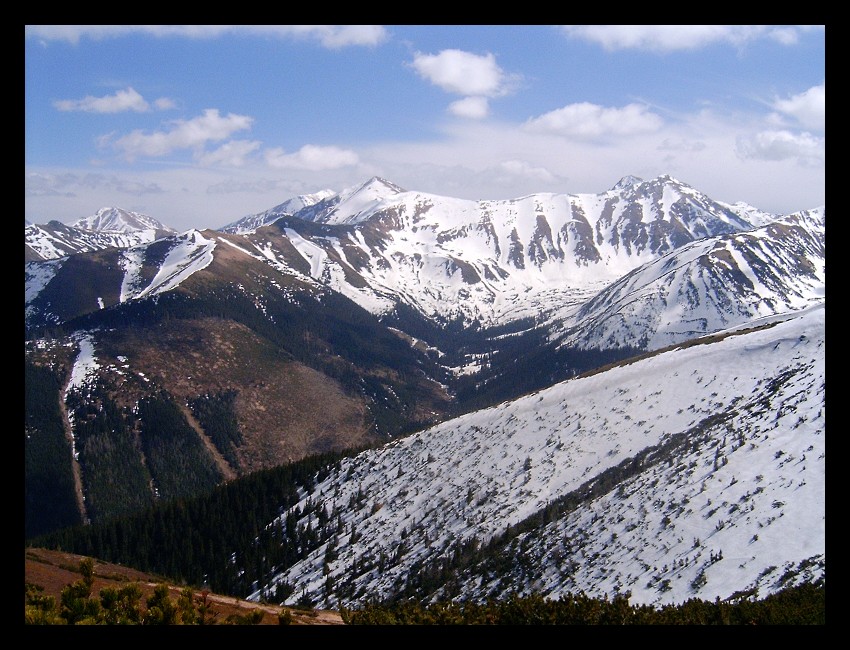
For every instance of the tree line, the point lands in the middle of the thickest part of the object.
(801, 605)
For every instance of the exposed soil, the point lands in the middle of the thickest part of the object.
(54, 570)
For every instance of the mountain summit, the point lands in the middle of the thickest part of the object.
(626, 181)
(353, 204)
(289, 207)
(123, 221)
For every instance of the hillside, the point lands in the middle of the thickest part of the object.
(50, 571)
(697, 471)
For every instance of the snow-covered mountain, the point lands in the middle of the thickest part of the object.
(643, 265)
(707, 286)
(353, 204)
(289, 207)
(118, 220)
(657, 244)
(108, 228)
(492, 262)
(696, 472)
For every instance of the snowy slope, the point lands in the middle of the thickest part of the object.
(735, 500)
(188, 253)
(750, 213)
(709, 285)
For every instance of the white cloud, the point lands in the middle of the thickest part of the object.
(312, 157)
(699, 149)
(587, 121)
(463, 73)
(123, 100)
(808, 108)
(788, 35)
(523, 169)
(38, 184)
(232, 154)
(667, 38)
(335, 36)
(163, 103)
(471, 107)
(331, 36)
(805, 148)
(185, 134)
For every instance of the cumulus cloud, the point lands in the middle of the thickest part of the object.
(231, 154)
(808, 108)
(471, 107)
(589, 121)
(123, 100)
(462, 73)
(184, 134)
(312, 158)
(805, 148)
(476, 77)
(668, 38)
(330, 36)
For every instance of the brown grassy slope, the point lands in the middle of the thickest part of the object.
(53, 570)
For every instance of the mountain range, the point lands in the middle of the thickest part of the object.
(570, 382)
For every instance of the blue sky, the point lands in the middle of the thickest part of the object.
(198, 126)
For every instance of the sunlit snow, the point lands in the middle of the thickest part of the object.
(746, 483)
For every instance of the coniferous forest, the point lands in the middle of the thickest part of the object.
(192, 539)
(48, 474)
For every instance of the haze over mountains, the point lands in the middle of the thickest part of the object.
(505, 334)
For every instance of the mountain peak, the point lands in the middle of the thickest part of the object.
(356, 203)
(627, 181)
(666, 178)
(376, 186)
(112, 219)
(251, 222)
